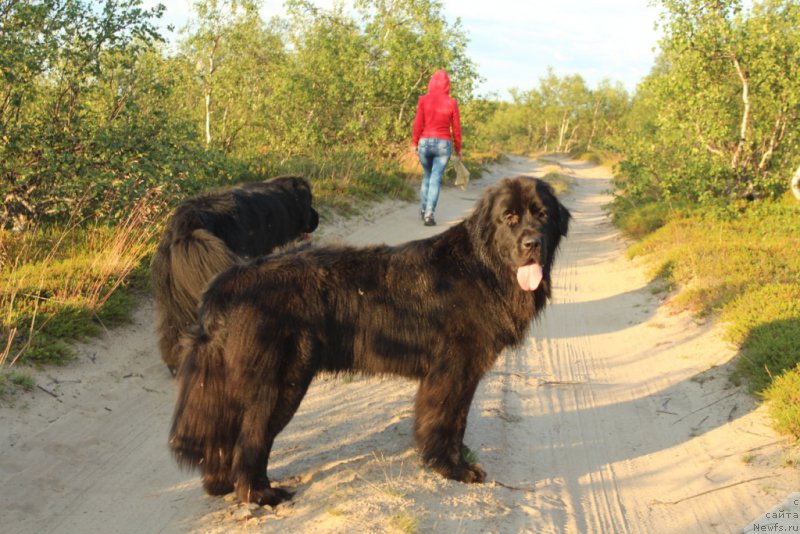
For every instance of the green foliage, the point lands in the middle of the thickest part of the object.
(712, 128)
(21, 380)
(405, 522)
(56, 124)
(230, 93)
(319, 79)
(784, 401)
(12, 380)
(640, 221)
(55, 308)
(560, 115)
(719, 256)
(343, 177)
(715, 118)
(468, 454)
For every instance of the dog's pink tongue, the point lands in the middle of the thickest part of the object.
(529, 276)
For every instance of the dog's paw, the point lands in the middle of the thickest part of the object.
(217, 485)
(266, 496)
(464, 472)
(476, 474)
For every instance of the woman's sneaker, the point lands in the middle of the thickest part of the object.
(429, 221)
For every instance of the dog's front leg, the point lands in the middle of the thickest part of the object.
(442, 406)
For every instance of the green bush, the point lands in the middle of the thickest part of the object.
(637, 222)
(784, 402)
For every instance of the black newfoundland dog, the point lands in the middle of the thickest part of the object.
(438, 310)
(209, 233)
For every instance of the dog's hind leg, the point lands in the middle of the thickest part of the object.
(252, 449)
(205, 423)
(442, 406)
(216, 475)
(267, 412)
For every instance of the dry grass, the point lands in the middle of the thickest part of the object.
(60, 284)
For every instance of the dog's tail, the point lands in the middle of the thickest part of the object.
(181, 270)
(205, 423)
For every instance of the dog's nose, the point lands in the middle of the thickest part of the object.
(530, 243)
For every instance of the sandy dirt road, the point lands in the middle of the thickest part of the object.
(616, 416)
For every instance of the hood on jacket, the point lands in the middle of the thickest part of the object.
(440, 83)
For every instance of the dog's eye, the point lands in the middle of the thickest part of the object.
(537, 211)
(510, 217)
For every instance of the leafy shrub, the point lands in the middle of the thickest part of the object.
(637, 222)
(784, 402)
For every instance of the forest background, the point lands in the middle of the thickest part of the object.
(103, 128)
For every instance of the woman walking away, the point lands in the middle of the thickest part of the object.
(436, 123)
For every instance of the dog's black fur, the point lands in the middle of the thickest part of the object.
(438, 310)
(209, 233)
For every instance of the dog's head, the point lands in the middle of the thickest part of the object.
(521, 222)
(300, 189)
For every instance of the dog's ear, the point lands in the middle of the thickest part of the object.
(563, 219)
(563, 213)
(302, 184)
(312, 219)
(484, 210)
(480, 222)
(301, 189)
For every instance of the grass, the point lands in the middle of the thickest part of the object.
(469, 455)
(743, 268)
(11, 380)
(560, 181)
(63, 284)
(560, 178)
(405, 522)
(784, 402)
(22, 380)
(596, 157)
(644, 220)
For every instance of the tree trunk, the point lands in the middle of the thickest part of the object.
(572, 138)
(207, 86)
(546, 138)
(737, 154)
(778, 131)
(410, 95)
(208, 116)
(562, 131)
(529, 130)
(594, 125)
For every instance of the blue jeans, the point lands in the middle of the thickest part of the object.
(433, 155)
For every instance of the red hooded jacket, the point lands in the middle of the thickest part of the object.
(437, 112)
